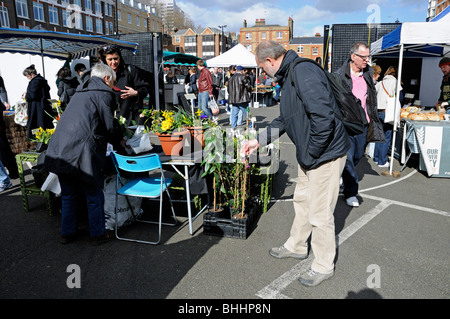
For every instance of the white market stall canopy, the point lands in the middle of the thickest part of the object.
(418, 39)
(54, 44)
(238, 55)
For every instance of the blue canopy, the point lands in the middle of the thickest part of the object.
(54, 44)
(177, 58)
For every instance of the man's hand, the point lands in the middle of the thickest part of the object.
(6, 104)
(128, 92)
(250, 146)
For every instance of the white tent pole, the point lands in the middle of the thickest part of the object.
(397, 107)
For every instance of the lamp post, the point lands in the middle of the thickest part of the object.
(221, 42)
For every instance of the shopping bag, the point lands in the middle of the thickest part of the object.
(390, 111)
(21, 113)
(140, 141)
(52, 184)
(124, 214)
(213, 106)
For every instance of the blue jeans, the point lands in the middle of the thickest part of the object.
(4, 178)
(73, 192)
(380, 154)
(238, 113)
(203, 98)
(354, 155)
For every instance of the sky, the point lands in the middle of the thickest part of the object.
(309, 16)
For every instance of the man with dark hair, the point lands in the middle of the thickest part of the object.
(239, 95)
(357, 76)
(205, 88)
(307, 111)
(444, 65)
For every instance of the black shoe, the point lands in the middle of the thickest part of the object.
(65, 239)
(96, 241)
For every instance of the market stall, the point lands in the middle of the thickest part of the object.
(426, 133)
(412, 39)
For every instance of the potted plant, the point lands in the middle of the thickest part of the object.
(42, 138)
(168, 126)
(231, 171)
(196, 123)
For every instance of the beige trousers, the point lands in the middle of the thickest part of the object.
(315, 198)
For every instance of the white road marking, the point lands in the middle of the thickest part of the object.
(275, 288)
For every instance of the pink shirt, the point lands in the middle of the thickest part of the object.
(360, 90)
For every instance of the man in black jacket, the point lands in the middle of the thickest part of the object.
(357, 75)
(307, 116)
(77, 151)
(239, 95)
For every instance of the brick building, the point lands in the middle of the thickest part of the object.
(250, 37)
(205, 43)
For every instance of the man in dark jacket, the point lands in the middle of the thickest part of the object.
(357, 75)
(77, 151)
(307, 116)
(239, 95)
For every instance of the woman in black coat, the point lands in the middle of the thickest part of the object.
(132, 83)
(67, 85)
(77, 151)
(37, 97)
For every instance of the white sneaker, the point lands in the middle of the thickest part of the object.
(352, 201)
(385, 165)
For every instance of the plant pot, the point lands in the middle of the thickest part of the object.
(40, 147)
(172, 144)
(197, 137)
(224, 225)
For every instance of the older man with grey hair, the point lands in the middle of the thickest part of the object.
(307, 109)
(77, 152)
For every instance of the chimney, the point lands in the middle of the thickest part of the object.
(245, 23)
(260, 22)
(291, 28)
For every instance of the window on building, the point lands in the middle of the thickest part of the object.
(145, 24)
(89, 25)
(77, 3)
(279, 35)
(138, 22)
(78, 21)
(38, 10)
(263, 35)
(53, 15)
(300, 49)
(119, 15)
(65, 3)
(66, 19)
(249, 47)
(98, 7)
(177, 40)
(99, 26)
(129, 18)
(248, 36)
(88, 5)
(315, 51)
(4, 17)
(21, 8)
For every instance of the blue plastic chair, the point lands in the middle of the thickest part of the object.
(145, 187)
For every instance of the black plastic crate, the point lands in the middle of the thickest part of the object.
(223, 225)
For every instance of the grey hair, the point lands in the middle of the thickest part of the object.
(269, 49)
(355, 47)
(101, 70)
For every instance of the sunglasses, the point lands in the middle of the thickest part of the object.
(110, 47)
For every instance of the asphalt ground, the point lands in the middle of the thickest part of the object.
(393, 246)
